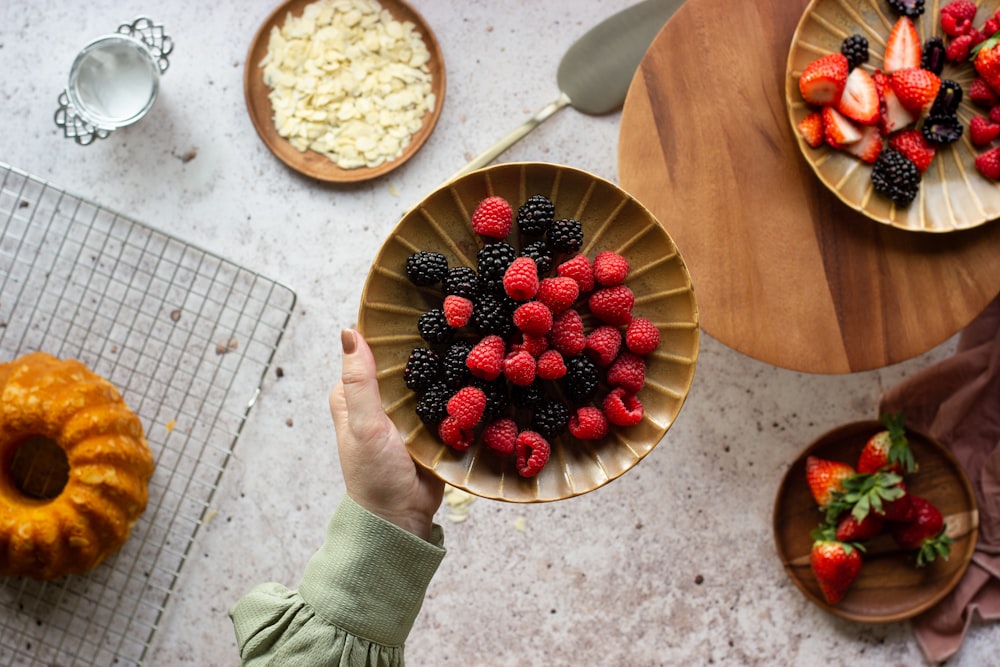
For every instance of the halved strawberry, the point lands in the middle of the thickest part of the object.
(859, 100)
(838, 130)
(916, 88)
(869, 147)
(903, 48)
(811, 129)
(823, 80)
(895, 116)
(913, 145)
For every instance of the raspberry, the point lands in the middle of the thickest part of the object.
(485, 360)
(460, 281)
(467, 407)
(581, 379)
(534, 345)
(567, 333)
(493, 218)
(534, 318)
(957, 17)
(578, 268)
(958, 49)
(558, 293)
(531, 452)
(613, 305)
(426, 268)
(995, 114)
(565, 235)
(588, 423)
(603, 344)
(550, 365)
(456, 372)
(454, 435)
(520, 281)
(642, 336)
(432, 406)
(982, 131)
(519, 368)
(628, 371)
(550, 418)
(534, 217)
(433, 327)
(423, 369)
(500, 436)
(988, 163)
(457, 310)
(982, 95)
(610, 268)
(622, 408)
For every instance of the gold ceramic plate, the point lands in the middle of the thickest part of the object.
(612, 220)
(311, 163)
(889, 588)
(953, 195)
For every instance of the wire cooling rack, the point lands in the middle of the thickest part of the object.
(187, 337)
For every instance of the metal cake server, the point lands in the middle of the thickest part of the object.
(595, 73)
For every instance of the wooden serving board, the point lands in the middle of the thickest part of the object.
(783, 270)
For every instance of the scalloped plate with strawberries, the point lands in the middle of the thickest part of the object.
(951, 193)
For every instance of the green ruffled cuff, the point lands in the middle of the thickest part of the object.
(356, 603)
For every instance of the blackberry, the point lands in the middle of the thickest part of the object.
(460, 281)
(493, 259)
(529, 396)
(432, 406)
(497, 400)
(942, 129)
(948, 98)
(492, 314)
(456, 372)
(550, 418)
(423, 368)
(581, 379)
(896, 177)
(539, 251)
(426, 268)
(565, 235)
(433, 327)
(855, 49)
(911, 8)
(535, 216)
(934, 55)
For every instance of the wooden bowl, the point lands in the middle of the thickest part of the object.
(890, 587)
(309, 162)
(612, 220)
(953, 194)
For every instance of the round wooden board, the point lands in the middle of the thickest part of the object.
(784, 271)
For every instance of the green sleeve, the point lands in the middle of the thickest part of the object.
(355, 605)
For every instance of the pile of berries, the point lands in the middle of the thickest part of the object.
(898, 116)
(531, 342)
(859, 503)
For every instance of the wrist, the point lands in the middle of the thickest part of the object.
(416, 523)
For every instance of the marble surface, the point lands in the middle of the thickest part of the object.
(672, 564)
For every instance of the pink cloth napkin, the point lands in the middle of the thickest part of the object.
(957, 402)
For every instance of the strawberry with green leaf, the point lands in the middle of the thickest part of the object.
(888, 449)
(925, 534)
(986, 60)
(883, 493)
(835, 564)
(826, 479)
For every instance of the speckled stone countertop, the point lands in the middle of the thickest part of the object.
(672, 564)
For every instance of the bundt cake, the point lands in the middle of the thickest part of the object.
(74, 468)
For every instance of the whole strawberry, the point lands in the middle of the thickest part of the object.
(888, 449)
(925, 533)
(835, 564)
(826, 479)
(987, 61)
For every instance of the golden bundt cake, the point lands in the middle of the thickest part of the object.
(74, 468)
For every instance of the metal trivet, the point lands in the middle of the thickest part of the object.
(187, 337)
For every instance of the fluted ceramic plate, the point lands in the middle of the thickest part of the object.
(953, 195)
(612, 220)
(889, 588)
(311, 163)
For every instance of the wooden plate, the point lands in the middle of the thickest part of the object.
(311, 163)
(953, 194)
(612, 220)
(890, 588)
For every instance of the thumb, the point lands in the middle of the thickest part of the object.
(358, 377)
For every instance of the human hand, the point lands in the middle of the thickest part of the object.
(378, 471)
